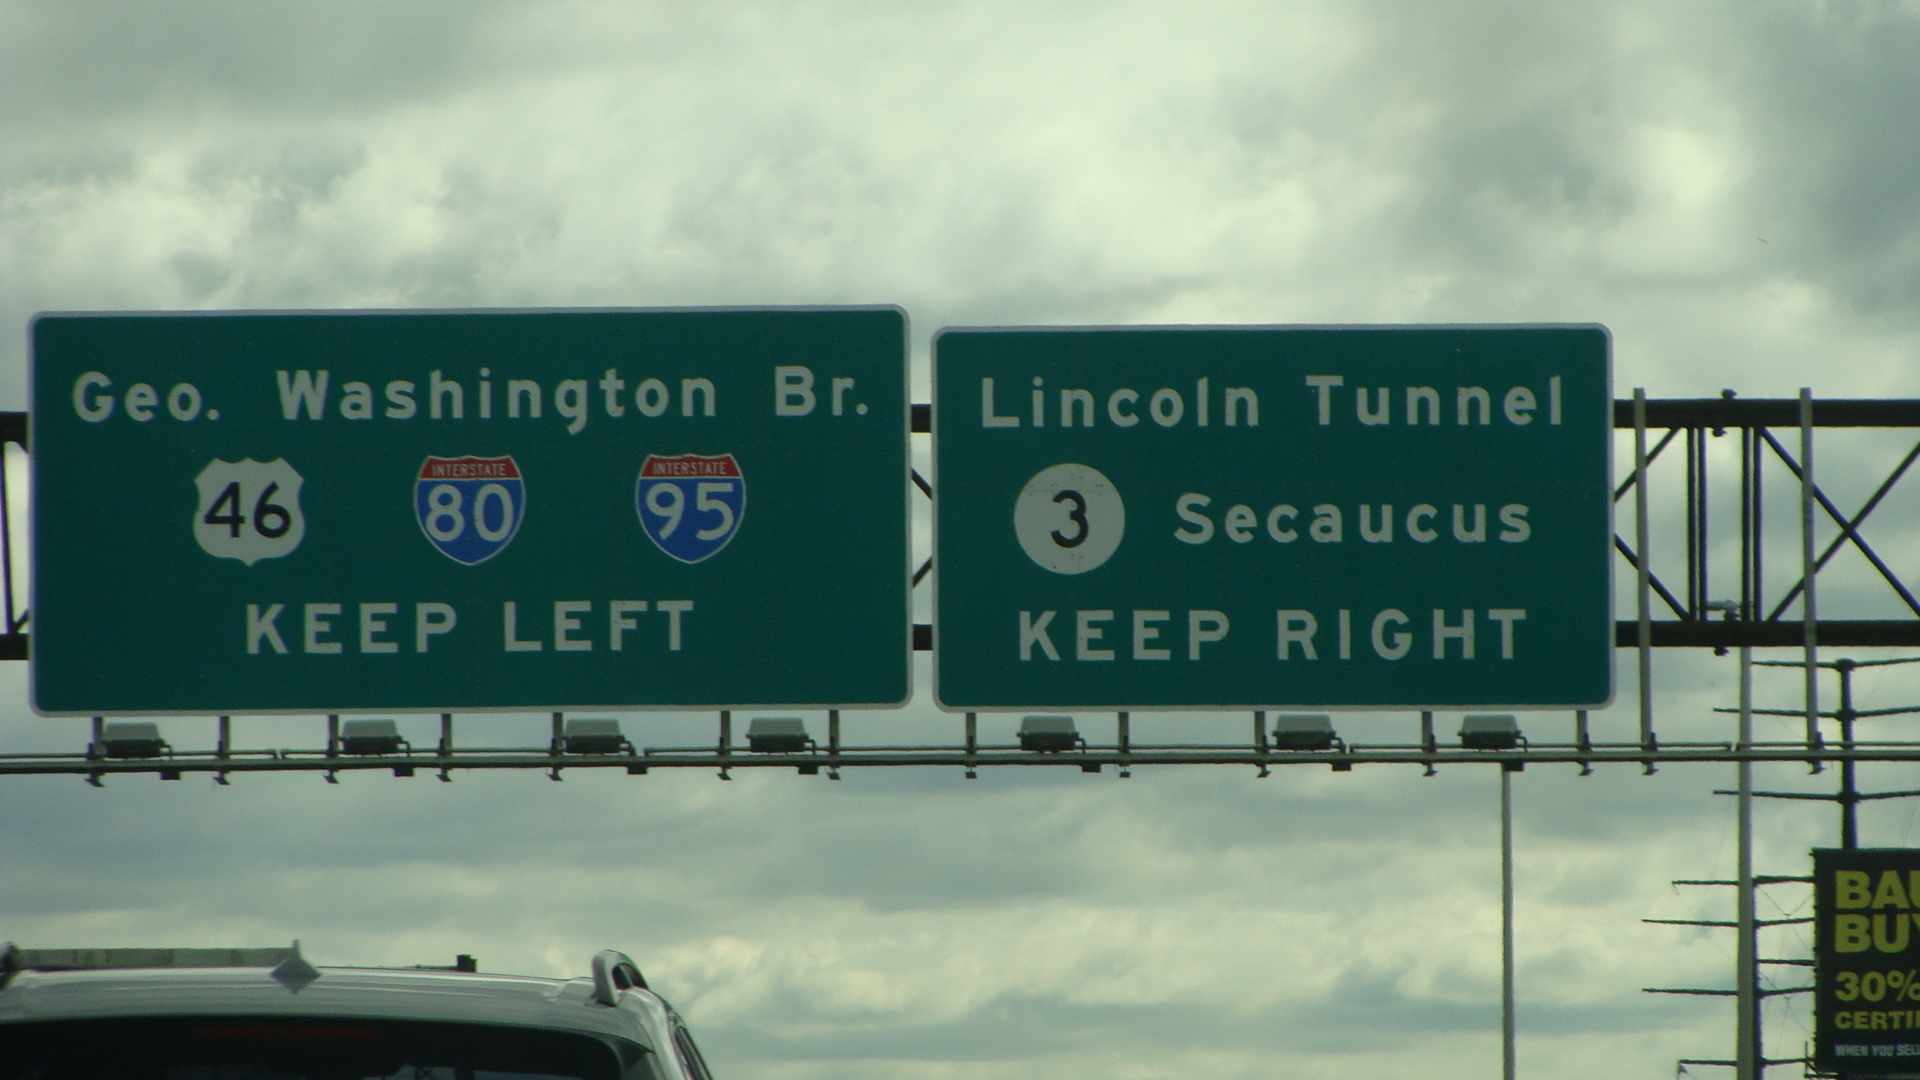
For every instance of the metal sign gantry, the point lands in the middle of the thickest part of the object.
(1774, 434)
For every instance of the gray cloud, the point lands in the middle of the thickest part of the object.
(91, 61)
(1729, 186)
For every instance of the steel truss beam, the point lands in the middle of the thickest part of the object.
(1091, 759)
(1693, 418)
(1690, 421)
(1731, 634)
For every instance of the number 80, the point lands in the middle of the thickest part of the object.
(445, 522)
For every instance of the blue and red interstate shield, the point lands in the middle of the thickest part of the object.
(691, 505)
(470, 507)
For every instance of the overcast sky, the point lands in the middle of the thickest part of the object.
(1733, 187)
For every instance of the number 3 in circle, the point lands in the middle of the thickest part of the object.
(1077, 515)
(1069, 518)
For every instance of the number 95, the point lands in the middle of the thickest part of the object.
(667, 500)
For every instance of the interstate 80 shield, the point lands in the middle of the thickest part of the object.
(470, 507)
(691, 505)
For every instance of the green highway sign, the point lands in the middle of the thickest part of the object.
(1247, 517)
(432, 511)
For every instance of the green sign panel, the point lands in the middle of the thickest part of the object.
(310, 512)
(1186, 518)
(1866, 955)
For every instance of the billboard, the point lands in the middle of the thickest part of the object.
(1866, 954)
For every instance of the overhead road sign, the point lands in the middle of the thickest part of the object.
(1240, 517)
(332, 512)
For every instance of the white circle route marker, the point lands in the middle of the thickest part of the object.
(1069, 518)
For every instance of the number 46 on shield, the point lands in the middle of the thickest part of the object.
(249, 510)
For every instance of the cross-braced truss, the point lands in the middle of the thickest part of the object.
(1774, 435)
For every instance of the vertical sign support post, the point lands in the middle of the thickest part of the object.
(1643, 570)
(1746, 1050)
(1809, 628)
(1506, 924)
(1849, 792)
(833, 744)
(225, 749)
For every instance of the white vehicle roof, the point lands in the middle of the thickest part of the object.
(612, 1003)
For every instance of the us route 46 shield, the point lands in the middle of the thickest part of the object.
(691, 505)
(249, 510)
(470, 507)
